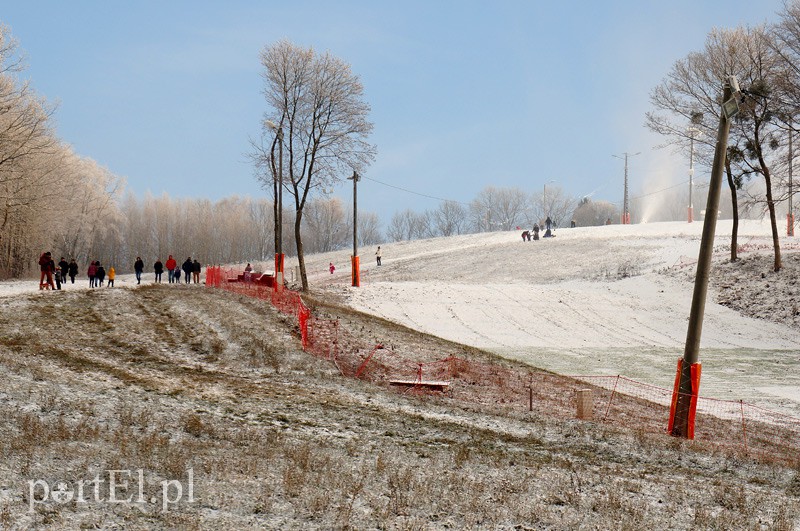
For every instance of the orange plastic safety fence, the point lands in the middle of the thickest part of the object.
(733, 427)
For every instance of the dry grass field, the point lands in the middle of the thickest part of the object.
(191, 388)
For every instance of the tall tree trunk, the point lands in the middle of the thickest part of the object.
(735, 209)
(301, 259)
(773, 222)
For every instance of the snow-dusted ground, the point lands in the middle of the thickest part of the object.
(597, 300)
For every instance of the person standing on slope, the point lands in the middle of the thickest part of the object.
(44, 266)
(92, 272)
(64, 266)
(196, 269)
(378, 255)
(138, 267)
(187, 269)
(158, 269)
(100, 274)
(73, 270)
(172, 265)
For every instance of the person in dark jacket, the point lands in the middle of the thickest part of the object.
(53, 269)
(73, 270)
(188, 267)
(196, 268)
(138, 267)
(64, 266)
(100, 274)
(158, 268)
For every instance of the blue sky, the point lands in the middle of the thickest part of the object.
(464, 94)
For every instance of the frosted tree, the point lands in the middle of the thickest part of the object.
(327, 226)
(318, 104)
(450, 218)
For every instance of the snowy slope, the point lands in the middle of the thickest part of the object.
(598, 300)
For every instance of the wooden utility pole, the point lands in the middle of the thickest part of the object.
(355, 265)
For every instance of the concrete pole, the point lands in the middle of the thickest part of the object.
(691, 351)
(544, 199)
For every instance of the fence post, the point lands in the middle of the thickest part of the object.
(744, 428)
(611, 398)
(584, 403)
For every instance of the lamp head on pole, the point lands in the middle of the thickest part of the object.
(730, 108)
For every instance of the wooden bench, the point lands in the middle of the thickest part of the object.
(434, 385)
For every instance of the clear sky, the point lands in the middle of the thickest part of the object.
(464, 94)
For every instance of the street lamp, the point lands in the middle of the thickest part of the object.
(692, 132)
(278, 189)
(687, 380)
(626, 215)
(544, 198)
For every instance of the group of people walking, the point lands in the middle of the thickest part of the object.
(52, 274)
(97, 274)
(534, 232)
(191, 270)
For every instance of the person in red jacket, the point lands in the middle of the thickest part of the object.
(47, 272)
(92, 273)
(171, 266)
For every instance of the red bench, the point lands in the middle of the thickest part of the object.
(255, 278)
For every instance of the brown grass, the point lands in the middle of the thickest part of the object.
(277, 439)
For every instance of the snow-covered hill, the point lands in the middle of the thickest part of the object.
(596, 300)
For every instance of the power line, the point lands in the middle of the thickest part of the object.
(698, 185)
(413, 192)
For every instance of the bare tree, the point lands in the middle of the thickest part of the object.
(327, 225)
(555, 203)
(498, 209)
(450, 218)
(590, 213)
(369, 228)
(318, 103)
(690, 96)
(401, 227)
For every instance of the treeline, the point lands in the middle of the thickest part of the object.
(231, 230)
(47, 192)
(493, 209)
